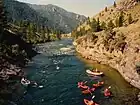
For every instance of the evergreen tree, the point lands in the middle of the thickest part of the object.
(98, 25)
(88, 20)
(117, 22)
(58, 35)
(93, 25)
(110, 25)
(103, 26)
(115, 5)
(106, 9)
(48, 33)
(120, 20)
(130, 20)
(3, 20)
(43, 38)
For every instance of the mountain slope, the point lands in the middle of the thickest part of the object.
(118, 47)
(48, 15)
(126, 6)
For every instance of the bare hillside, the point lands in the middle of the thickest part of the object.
(118, 47)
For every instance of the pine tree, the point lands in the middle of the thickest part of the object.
(103, 26)
(48, 33)
(58, 35)
(115, 5)
(93, 25)
(43, 38)
(106, 9)
(121, 20)
(130, 20)
(117, 22)
(3, 19)
(110, 25)
(98, 25)
(88, 20)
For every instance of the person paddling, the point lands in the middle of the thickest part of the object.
(90, 102)
(107, 92)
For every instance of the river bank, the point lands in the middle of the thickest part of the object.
(124, 61)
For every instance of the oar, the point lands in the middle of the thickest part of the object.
(109, 87)
(93, 96)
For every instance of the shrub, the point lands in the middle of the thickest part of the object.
(120, 20)
(130, 20)
(138, 67)
(110, 25)
(103, 26)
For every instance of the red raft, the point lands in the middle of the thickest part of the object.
(88, 91)
(99, 84)
(82, 85)
(87, 102)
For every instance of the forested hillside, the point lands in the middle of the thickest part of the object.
(15, 52)
(49, 16)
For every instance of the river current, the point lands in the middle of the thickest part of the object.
(57, 73)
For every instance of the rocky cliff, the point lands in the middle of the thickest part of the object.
(119, 49)
(126, 4)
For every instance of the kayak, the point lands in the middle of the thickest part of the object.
(87, 102)
(98, 84)
(83, 87)
(88, 91)
(92, 89)
(94, 73)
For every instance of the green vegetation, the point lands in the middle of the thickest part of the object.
(93, 25)
(50, 16)
(37, 33)
(3, 24)
(16, 38)
(103, 26)
(3, 20)
(97, 25)
(88, 20)
(115, 5)
(120, 20)
(110, 25)
(130, 20)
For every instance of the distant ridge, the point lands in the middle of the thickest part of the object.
(48, 15)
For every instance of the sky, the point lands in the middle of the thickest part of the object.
(83, 7)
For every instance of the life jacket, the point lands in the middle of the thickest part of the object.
(87, 102)
(107, 92)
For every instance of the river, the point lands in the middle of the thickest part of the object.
(57, 73)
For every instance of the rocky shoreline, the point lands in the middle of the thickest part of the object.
(9, 71)
(124, 62)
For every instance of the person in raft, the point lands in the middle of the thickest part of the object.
(107, 92)
(90, 102)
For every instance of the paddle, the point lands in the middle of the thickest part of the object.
(93, 96)
(109, 87)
